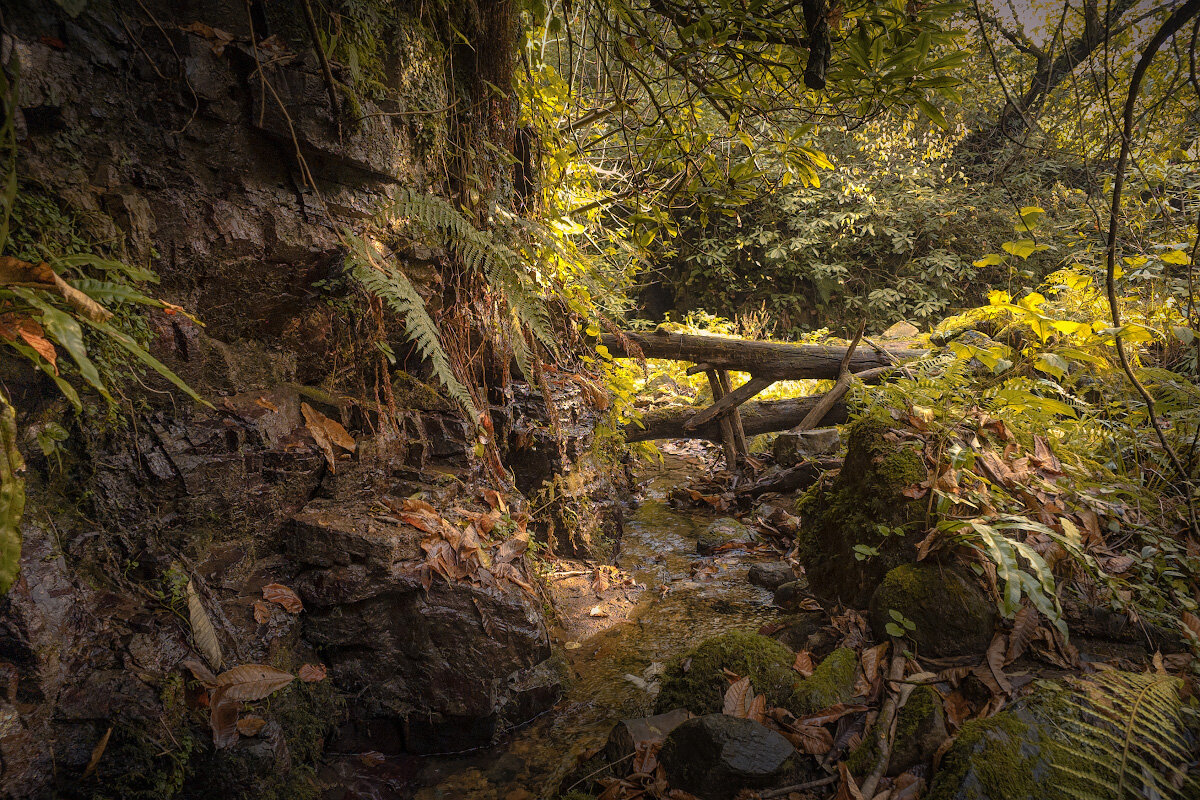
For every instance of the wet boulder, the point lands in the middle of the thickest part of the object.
(788, 595)
(771, 575)
(1086, 737)
(864, 507)
(798, 629)
(951, 613)
(832, 682)
(716, 756)
(723, 531)
(696, 680)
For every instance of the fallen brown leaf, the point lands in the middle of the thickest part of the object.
(312, 673)
(327, 433)
(283, 596)
(251, 725)
(251, 682)
(804, 664)
(262, 612)
(97, 753)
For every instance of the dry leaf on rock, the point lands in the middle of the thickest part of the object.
(262, 612)
(312, 673)
(222, 717)
(847, 788)
(597, 611)
(283, 596)
(251, 682)
(1190, 622)
(811, 739)
(738, 698)
(804, 664)
(41, 276)
(201, 672)
(203, 633)
(97, 752)
(250, 726)
(327, 433)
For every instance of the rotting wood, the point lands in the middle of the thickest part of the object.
(735, 416)
(762, 359)
(799, 477)
(840, 387)
(760, 417)
(729, 402)
(718, 392)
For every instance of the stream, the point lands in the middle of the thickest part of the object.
(613, 671)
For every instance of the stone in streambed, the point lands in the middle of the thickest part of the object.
(723, 531)
(792, 447)
(788, 595)
(951, 613)
(771, 575)
(696, 680)
(716, 756)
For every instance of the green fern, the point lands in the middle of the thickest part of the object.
(394, 288)
(1124, 739)
(478, 250)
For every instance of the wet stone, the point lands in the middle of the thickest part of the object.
(723, 531)
(716, 756)
(771, 575)
(789, 594)
(792, 447)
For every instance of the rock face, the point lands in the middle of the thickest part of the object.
(865, 506)
(1084, 738)
(401, 649)
(951, 613)
(716, 756)
(152, 128)
(695, 680)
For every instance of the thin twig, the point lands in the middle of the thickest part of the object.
(330, 86)
(784, 791)
(883, 725)
(1168, 29)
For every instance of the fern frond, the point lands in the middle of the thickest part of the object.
(1127, 728)
(394, 288)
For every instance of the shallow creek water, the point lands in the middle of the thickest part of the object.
(613, 671)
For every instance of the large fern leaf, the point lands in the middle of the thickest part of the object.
(394, 288)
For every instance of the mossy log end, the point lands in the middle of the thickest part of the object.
(763, 417)
(762, 359)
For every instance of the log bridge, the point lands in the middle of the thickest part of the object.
(731, 418)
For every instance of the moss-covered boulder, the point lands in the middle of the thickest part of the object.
(951, 613)
(832, 682)
(695, 680)
(1114, 735)
(864, 507)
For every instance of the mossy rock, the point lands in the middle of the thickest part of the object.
(695, 680)
(920, 731)
(865, 505)
(725, 530)
(1070, 741)
(832, 682)
(951, 613)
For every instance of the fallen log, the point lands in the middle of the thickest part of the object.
(799, 477)
(761, 417)
(775, 360)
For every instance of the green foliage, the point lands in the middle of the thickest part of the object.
(393, 287)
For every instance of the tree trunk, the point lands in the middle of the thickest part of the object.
(762, 359)
(757, 418)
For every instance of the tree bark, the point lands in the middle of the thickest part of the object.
(762, 359)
